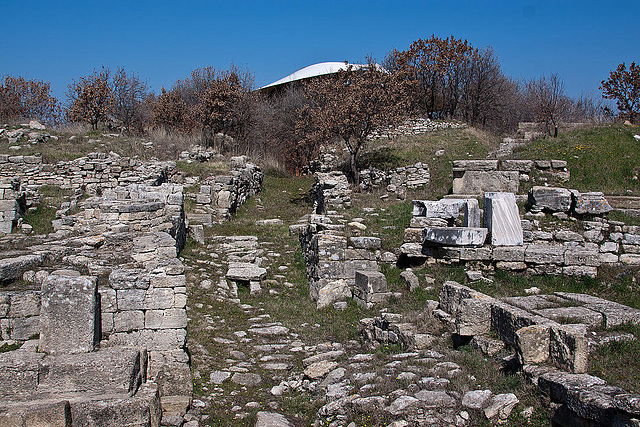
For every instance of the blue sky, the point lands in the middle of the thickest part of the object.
(163, 41)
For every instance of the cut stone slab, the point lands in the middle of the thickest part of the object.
(591, 318)
(12, 268)
(532, 344)
(430, 398)
(245, 272)
(479, 182)
(269, 331)
(443, 209)
(568, 347)
(69, 317)
(454, 236)
(502, 218)
(410, 279)
(371, 281)
(591, 204)
(615, 314)
(550, 199)
(472, 215)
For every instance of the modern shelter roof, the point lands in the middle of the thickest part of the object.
(313, 71)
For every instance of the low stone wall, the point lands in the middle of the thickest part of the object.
(480, 176)
(396, 181)
(415, 127)
(331, 191)
(220, 196)
(573, 245)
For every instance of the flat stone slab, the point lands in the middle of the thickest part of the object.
(566, 315)
(245, 272)
(550, 199)
(454, 236)
(591, 204)
(12, 268)
(246, 379)
(502, 218)
(615, 314)
(271, 419)
(269, 331)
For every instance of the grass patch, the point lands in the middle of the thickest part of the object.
(602, 158)
(623, 217)
(202, 169)
(621, 355)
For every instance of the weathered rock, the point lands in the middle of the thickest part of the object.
(591, 204)
(336, 290)
(532, 344)
(443, 209)
(476, 399)
(410, 279)
(320, 369)
(550, 199)
(501, 406)
(479, 182)
(568, 348)
(246, 379)
(245, 272)
(12, 268)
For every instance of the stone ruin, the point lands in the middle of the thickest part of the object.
(97, 309)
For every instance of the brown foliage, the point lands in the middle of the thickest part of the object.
(547, 101)
(349, 106)
(91, 98)
(129, 95)
(27, 99)
(169, 112)
(624, 86)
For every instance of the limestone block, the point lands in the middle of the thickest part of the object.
(128, 320)
(160, 339)
(451, 294)
(474, 315)
(581, 256)
(171, 281)
(12, 268)
(475, 165)
(130, 299)
(506, 320)
(508, 253)
(580, 270)
(165, 319)
(454, 236)
(573, 315)
(551, 199)
(544, 254)
(511, 266)
(69, 318)
(476, 254)
(568, 347)
(129, 278)
(410, 279)
(336, 290)
(413, 235)
(614, 314)
(371, 281)
(502, 218)
(365, 242)
(24, 328)
(245, 272)
(422, 222)
(522, 166)
(532, 344)
(479, 182)
(159, 298)
(24, 304)
(591, 204)
(112, 412)
(443, 209)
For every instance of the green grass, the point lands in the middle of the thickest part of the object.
(202, 169)
(621, 355)
(45, 212)
(603, 158)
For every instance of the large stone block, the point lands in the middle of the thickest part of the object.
(474, 315)
(454, 236)
(532, 344)
(506, 320)
(568, 347)
(12, 268)
(69, 317)
(591, 204)
(443, 209)
(336, 290)
(550, 199)
(544, 254)
(479, 182)
(371, 281)
(472, 214)
(502, 218)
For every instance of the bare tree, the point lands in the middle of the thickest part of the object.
(29, 99)
(624, 86)
(129, 93)
(547, 101)
(90, 98)
(350, 105)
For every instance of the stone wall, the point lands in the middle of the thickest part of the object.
(413, 127)
(479, 176)
(575, 243)
(397, 180)
(331, 191)
(220, 196)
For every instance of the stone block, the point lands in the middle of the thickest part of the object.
(336, 290)
(506, 320)
(580, 271)
(564, 315)
(475, 254)
(544, 254)
(550, 199)
(128, 320)
(24, 328)
(69, 317)
(365, 242)
(474, 315)
(159, 299)
(24, 304)
(413, 235)
(133, 412)
(502, 218)
(591, 204)
(508, 253)
(129, 278)
(511, 266)
(165, 319)
(245, 272)
(471, 214)
(442, 209)
(479, 182)
(582, 257)
(454, 236)
(614, 314)
(451, 294)
(371, 281)
(475, 165)
(12, 268)
(130, 299)
(532, 344)
(173, 281)
(522, 166)
(568, 347)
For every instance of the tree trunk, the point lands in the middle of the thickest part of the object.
(353, 168)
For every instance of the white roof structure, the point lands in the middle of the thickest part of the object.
(314, 71)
